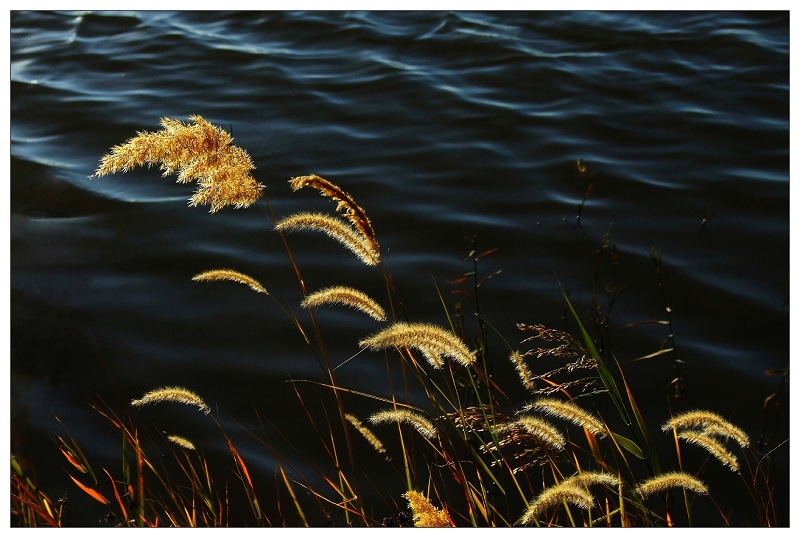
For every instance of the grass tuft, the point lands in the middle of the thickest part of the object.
(463, 437)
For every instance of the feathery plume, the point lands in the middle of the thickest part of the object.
(172, 394)
(181, 442)
(425, 514)
(570, 411)
(196, 150)
(712, 446)
(346, 296)
(591, 478)
(712, 423)
(422, 425)
(367, 433)
(522, 369)
(335, 228)
(431, 340)
(555, 495)
(230, 274)
(432, 356)
(349, 208)
(544, 432)
(667, 481)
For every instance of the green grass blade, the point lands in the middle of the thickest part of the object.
(642, 426)
(605, 373)
(628, 445)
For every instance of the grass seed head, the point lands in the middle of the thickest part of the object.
(172, 394)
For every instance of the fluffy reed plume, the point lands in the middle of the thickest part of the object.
(230, 274)
(335, 228)
(545, 433)
(522, 369)
(422, 425)
(667, 481)
(712, 446)
(590, 478)
(346, 296)
(710, 423)
(564, 492)
(368, 435)
(425, 514)
(196, 150)
(181, 442)
(172, 394)
(432, 341)
(570, 411)
(349, 208)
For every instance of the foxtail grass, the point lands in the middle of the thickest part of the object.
(565, 492)
(336, 228)
(172, 394)
(525, 375)
(433, 342)
(419, 423)
(346, 296)
(366, 433)
(710, 423)
(712, 446)
(347, 205)
(571, 412)
(487, 459)
(181, 442)
(590, 478)
(666, 481)
(544, 432)
(230, 274)
(573, 490)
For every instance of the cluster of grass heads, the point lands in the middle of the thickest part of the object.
(578, 452)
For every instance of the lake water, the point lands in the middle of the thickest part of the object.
(444, 127)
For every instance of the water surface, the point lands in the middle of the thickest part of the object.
(444, 127)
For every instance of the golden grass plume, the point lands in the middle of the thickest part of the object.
(349, 208)
(230, 274)
(337, 229)
(710, 423)
(432, 341)
(181, 442)
(573, 490)
(671, 480)
(712, 446)
(570, 411)
(591, 478)
(565, 492)
(525, 375)
(172, 394)
(541, 430)
(419, 423)
(196, 150)
(367, 433)
(425, 514)
(346, 296)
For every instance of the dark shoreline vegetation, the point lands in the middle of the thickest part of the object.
(578, 452)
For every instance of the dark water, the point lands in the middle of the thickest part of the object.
(443, 126)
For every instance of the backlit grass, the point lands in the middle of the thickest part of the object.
(576, 452)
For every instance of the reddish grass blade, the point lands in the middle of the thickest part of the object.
(90, 492)
(122, 509)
